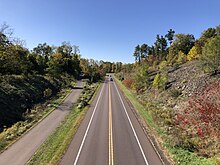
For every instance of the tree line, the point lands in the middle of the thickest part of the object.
(168, 52)
(49, 60)
(174, 49)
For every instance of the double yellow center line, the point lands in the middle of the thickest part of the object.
(111, 156)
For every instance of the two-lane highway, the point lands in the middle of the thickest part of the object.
(110, 134)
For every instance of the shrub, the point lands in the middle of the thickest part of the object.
(128, 83)
(47, 93)
(163, 81)
(86, 95)
(162, 65)
(175, 93)
(198, 125)
(181, 58)
(163, 116)
(156, 81)
(160, 81)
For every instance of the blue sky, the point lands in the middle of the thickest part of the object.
(106, 29)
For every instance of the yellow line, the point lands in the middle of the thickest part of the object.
(111, 156)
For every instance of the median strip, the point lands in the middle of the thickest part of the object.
(54, 147)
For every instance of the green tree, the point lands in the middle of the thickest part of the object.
(151, 51)
(94, 71)
(163, 45)
(84, 65)
(13, 60)
(66, 60)
(144, 51)
(137, 54)
(183, 42)
(118, 67)
(211, 55)
(170, 35)
(55, 65)
(209, 33)
(142, 79)
(127, 68)
(157, 46)
(42, 53)
(43, 50)
(206, 35)
(160, 47)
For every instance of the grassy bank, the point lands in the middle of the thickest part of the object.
(178, 155)
(36, 115)
(20, 93)
(55, 146)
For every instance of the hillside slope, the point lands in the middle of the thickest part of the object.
(20, 93)
(187, 109)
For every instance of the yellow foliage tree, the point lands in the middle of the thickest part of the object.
(57, 56)
(156, 81)
(181, 58)
(193, 54)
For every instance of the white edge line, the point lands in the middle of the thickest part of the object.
(139, 144)
(85, 135)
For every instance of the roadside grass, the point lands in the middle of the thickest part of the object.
(177, 154)
(146, 115)
(10, 135)
(52, 150)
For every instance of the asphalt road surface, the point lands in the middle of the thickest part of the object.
(110, 134)
(21, 151)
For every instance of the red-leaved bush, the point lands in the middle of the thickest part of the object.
(197, 127)
(128, 83)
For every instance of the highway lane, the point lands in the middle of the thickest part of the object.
(131, 146)
(90, 143)
(110, 134)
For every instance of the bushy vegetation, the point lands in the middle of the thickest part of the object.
(128, 83)
(197, 127)
(151, 113)
(160, 81)
(86, 95)
(186, 111)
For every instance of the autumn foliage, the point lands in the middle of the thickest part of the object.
(128, 83)
(197, 127)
